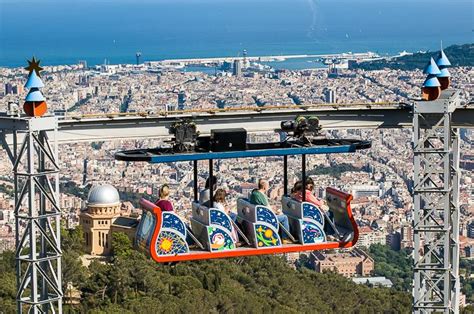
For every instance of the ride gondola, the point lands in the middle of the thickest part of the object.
(163, 234)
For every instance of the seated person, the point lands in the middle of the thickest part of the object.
(165, 205)
(259, 197)
(219, 203)
(204, 196)
(163, 201)
(296, 193)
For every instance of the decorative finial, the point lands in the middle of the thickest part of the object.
(431, 87)
(444, 77)
(35, 104)
(34, 65)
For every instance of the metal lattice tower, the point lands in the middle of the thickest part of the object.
(37, 215)
(436, 206)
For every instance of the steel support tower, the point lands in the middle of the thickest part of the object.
(436, 206)
(37, 214)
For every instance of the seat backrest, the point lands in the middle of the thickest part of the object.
(338, 205)
(311, 211)
(291, 207)
(300, 210)
(246, 210)
(220, 218)
(256, 213)
(201, 213)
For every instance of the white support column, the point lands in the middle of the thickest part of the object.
(38, 217)
(436, 216)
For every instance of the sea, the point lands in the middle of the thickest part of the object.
(66, 31)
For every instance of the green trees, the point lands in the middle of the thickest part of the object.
(73, 272)
(121, 245)
(467, 279)
(395, 265)
(459, 55)
(133, 283)
(7, 282)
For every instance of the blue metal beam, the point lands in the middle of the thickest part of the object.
(254, 153)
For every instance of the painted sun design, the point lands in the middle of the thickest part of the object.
(166, 244)
(170, 243)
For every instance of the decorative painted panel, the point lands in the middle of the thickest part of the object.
(219, 239)
(172, 221)
(264, 214)
(219, 218)
(312, 233)
(266, 236)
(170, 243)
(313, 212)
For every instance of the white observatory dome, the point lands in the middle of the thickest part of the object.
(104, 194)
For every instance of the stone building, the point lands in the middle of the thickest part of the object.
(102, 217)
(349, 263)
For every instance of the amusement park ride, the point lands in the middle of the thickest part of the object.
(31, 143)
(163, 234)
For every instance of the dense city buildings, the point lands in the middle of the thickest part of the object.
(380, 178)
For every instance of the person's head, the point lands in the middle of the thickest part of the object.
(263, 185)
(309, 184)
(298, 187)
(164, 191)
(219, 196)
(214, 182)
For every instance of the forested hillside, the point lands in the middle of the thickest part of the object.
(458, 55)
(133, 283)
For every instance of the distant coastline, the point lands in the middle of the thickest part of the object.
(290, 61)
(460, 55)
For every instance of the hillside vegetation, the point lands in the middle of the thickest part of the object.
(458, 55)
(133, 283)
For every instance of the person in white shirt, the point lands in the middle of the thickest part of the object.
(220, 203)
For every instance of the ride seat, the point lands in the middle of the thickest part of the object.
(171, 238)
(212, 227)
(306, 220)
(259, 223)
(339, 205)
